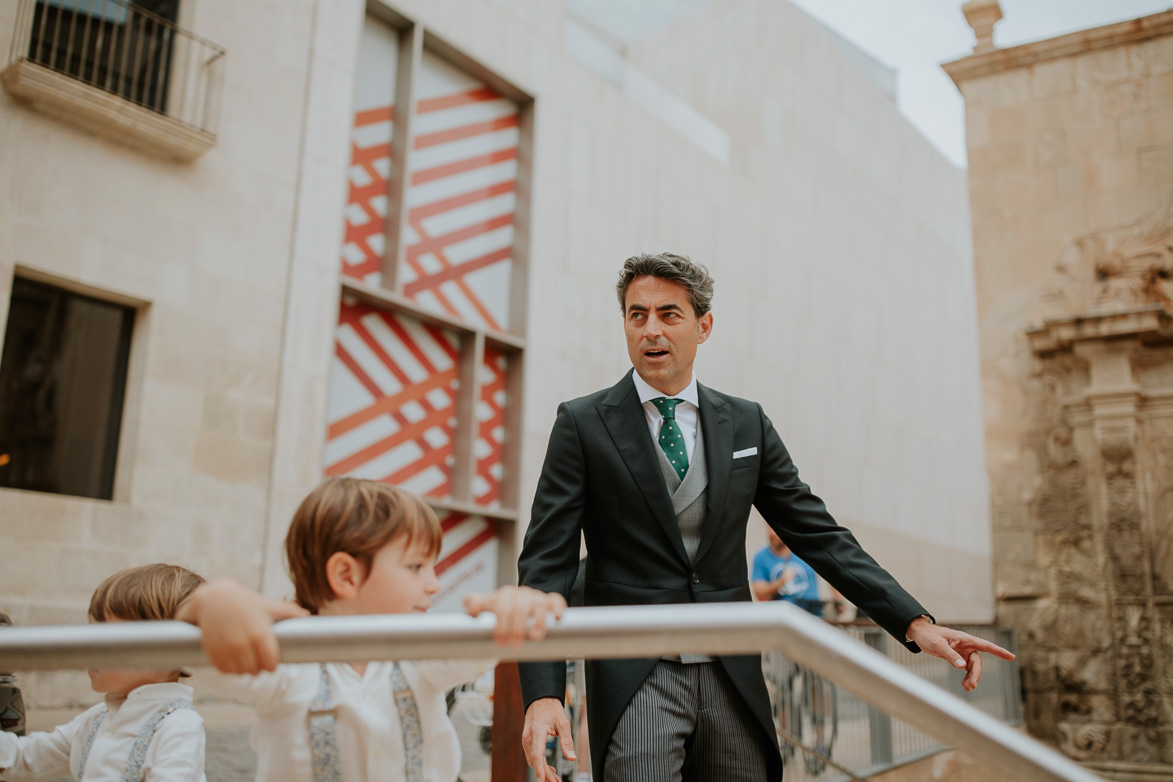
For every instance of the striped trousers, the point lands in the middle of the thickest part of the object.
(686, 723)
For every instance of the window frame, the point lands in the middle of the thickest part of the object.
(120, 446)
(388, 295)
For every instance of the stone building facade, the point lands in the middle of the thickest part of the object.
(743, 136)
(1071, 191)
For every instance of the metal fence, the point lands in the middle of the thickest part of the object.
(827, 733)
(614, 632)
(120, 48)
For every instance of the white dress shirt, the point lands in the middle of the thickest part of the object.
(688, 418)
(175, 754)
(688, 412)
(370, 738)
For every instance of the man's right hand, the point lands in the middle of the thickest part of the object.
(546, 717)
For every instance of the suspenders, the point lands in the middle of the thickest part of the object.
(409, 719)
(324, 735)
(138, 752)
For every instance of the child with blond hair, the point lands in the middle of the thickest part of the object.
(146, 729)
(354, 547)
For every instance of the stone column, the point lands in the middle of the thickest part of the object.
(1114, 400)
(1094, 647)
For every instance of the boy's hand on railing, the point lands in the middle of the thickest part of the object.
(546, 717)
(515, 607)
(237, 625)
(959, 649)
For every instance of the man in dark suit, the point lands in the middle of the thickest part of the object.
(659, 473)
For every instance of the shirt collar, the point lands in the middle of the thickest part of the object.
(647, 393)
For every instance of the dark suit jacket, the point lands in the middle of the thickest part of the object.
(601, 476)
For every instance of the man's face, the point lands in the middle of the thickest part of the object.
(662, 332)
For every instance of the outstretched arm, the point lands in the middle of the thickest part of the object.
(959, 649)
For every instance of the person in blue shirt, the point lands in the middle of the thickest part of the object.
(779, 575)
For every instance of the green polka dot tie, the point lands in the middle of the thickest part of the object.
(671, 438)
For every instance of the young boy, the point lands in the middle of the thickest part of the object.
(353, 547)
(146, 729)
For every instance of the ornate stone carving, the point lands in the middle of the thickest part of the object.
(1089, 741)
(1115, 270)
(1060, 506)
(1160, 451)
(1164, 675)
(1097, 659)
(1093, 478)
(1135, 665)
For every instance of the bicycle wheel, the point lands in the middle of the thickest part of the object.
(817, 720)
(778, 690)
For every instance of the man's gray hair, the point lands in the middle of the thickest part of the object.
(693, 277)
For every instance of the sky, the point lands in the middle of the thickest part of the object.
(915, 36)
(911, 36)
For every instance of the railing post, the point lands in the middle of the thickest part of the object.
(508, 717)
(879, 723)
(1012, 683)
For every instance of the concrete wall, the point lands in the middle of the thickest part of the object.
(869, 294)
(837, 236)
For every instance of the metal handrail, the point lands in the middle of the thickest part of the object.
(613, 632)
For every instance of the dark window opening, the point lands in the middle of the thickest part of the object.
(122, 47)
(62, 382)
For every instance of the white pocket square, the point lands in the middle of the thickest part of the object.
(745, 452)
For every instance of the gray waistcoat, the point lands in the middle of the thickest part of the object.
(689, 495)
(688, 501)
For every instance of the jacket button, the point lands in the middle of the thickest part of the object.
(695, 578)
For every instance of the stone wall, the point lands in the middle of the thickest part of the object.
(205, 251)
(1070, 142)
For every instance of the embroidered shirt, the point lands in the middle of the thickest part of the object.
(370, 738)
(175, 754)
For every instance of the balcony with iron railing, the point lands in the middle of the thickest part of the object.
(894, 695)
(119, 70)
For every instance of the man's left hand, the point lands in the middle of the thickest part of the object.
(961, 650)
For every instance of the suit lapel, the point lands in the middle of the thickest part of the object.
(717, 426)
(624, 418)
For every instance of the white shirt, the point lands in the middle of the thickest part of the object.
(175, 754)
(370, 739)
(688, 412)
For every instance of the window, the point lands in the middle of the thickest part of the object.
(428, 355)
(62, 380)
(122, 47)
